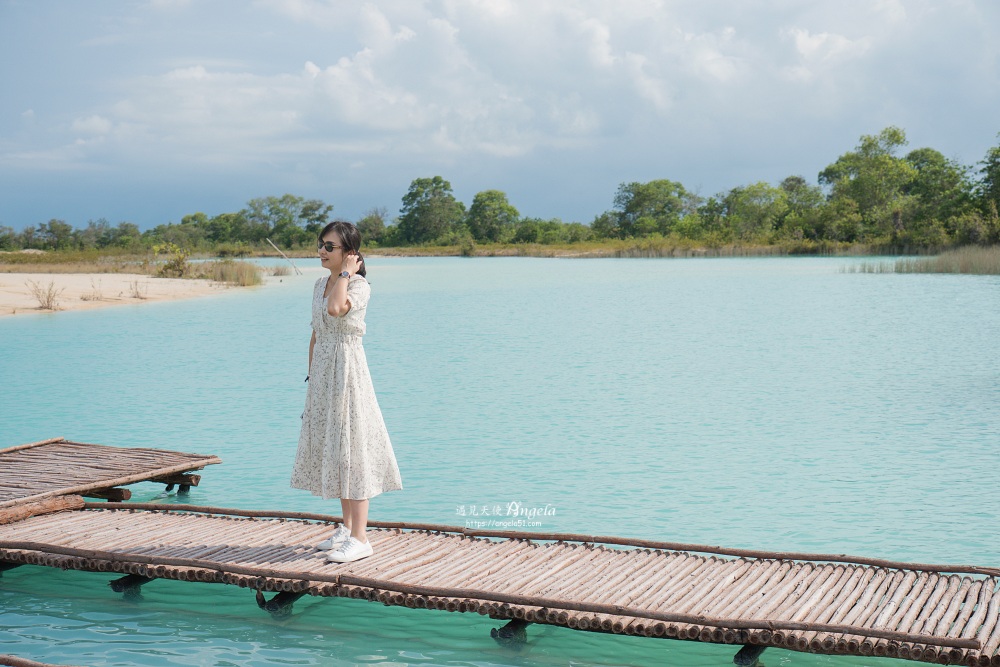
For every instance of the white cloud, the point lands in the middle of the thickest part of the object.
(92, 125)
(647, 87)
(825, 46)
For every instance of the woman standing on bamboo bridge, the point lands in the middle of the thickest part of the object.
(344, 450)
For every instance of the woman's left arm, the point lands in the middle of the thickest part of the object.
(337, 303)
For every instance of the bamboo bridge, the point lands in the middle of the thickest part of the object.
(820, 603)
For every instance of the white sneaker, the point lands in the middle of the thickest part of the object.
(339, 537)
(350, 551)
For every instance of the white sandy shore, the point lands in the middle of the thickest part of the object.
(82, 291)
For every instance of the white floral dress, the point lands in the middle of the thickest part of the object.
(344, 449)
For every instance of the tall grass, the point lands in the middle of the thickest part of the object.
(224, 271)
(977, 260)
(242, 274)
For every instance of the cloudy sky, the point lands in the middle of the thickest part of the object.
(146, 110)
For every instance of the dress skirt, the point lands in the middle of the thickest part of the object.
(344, 449)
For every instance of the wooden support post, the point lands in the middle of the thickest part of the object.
(112, 495)
(180, 478)
(749, 655)
(280, 606)
(129, 585)
(514, 633)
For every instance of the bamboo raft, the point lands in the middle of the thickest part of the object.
(48, 469)
(803, 602)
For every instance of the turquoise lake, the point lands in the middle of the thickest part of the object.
(776, 403)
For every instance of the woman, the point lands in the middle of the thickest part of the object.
(344, 450)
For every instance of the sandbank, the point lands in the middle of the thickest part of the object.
(83, 291)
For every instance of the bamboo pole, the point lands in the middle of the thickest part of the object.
(297, 272)
(30, 445)
(16, 661)
(47, 506)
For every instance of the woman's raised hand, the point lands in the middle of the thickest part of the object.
(351, 263)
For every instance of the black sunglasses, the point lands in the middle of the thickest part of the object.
(329, 247)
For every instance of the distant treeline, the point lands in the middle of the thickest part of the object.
(873, 195)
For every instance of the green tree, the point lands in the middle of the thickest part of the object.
(429, 210)
(528, 230)
(647, 208)
(55, 234)
(92, 235)
(989, 182)
(125, 235)
(753, 211)
(941, 186)
(8, 238)
(805, 201)
(372, 225)
(287, 220)
(874, 177)
(491, 217)
(605, 226)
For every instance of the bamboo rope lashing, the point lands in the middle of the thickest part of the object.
(571, 537)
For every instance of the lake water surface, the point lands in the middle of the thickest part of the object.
(773, 403)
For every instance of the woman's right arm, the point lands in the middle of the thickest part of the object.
(312, 344)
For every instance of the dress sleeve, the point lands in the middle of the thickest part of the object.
(314, 323)
(358, 292)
